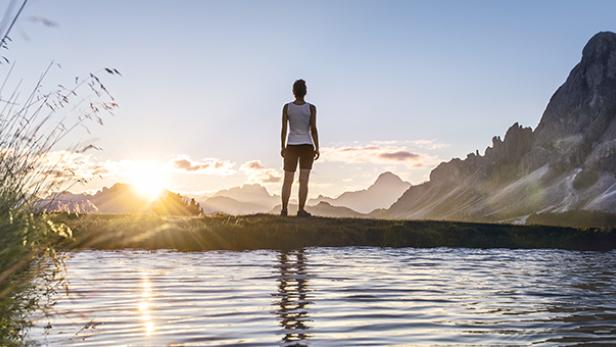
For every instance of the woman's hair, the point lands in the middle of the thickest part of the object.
(299, 88)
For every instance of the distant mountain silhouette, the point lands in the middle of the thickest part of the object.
(223, 204)
(568, 163)
(381, 194)
(249, 193)
(323, 209)
(254, 198)
(246, 199)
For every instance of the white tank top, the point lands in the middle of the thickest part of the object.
(299, 124)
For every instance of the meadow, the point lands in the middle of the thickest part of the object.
(261, 231)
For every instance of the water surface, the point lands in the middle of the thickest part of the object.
(335, 296)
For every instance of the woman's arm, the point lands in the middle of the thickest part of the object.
(314, 131)
(283, 132)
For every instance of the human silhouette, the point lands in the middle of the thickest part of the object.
(301, 145)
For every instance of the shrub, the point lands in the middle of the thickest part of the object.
(31, 126)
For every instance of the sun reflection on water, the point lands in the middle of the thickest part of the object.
(144, 305)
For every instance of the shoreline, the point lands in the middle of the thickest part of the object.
(112, 232)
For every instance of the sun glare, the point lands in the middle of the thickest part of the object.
(147, 180)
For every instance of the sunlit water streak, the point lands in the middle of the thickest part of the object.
(335, 296)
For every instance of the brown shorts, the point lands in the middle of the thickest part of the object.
(302, 153)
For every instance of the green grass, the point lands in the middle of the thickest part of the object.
(578, 219)
(272, 232)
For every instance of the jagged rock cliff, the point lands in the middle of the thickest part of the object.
(568, 163)
(67, 202)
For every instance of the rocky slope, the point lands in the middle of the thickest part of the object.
(67, 202)
(568, 163)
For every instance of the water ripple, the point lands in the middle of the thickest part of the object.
(334, 297)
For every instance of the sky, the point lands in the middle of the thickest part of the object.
(399, 85)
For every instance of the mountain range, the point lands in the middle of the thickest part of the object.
(567, 164)
(246, 199)
(381, 194)
(254, 198)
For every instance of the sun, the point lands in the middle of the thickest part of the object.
(148, 180)
(149, 187)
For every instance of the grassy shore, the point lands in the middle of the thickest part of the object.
(272, 232)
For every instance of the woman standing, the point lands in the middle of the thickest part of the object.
(302, 145)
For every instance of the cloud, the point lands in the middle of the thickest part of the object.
(68, 165)
(378, 153)
(271, 176)
(253, 165)
(257, 172)
(427, 144)
(399, 155)
(208, 166)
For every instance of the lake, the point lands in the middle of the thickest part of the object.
(334, 297)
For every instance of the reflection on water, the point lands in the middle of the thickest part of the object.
(293, 297)
(144, 305)
(335, 297)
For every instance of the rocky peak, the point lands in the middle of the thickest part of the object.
(518, 141)
(587, 95)
(255, 189)
(388, 178)
(503, 153)
(582, 109)
(600, 47)
(599, 59)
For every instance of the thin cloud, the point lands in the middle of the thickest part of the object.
(68, 165)
(209, 166)
(425, 144)
(400, 155)
(258, 173)
(253, 165)
(429, 144)
(271, 176)
(382, 154)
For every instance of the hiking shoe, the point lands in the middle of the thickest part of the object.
(303, 214)
(284, 213)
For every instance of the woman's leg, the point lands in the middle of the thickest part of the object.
(286, 188)
(304, 174)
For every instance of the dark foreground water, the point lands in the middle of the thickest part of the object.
(335, 296)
